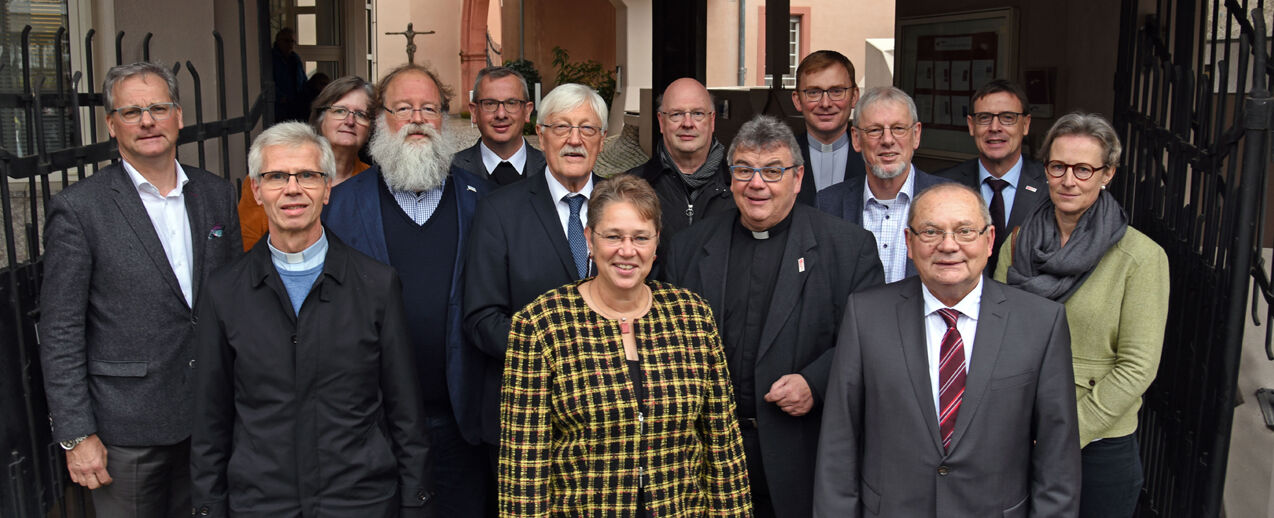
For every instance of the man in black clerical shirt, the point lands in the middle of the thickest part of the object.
(789, 269)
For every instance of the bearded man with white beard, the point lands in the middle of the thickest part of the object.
(886, 131)
(412, 211)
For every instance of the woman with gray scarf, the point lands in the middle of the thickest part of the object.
(1078, 249)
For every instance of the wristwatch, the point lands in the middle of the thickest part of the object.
(71, 444)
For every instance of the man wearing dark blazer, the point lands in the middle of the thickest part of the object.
(501, 107)
(304, 372)
(413, 211)
(950, 394)
(1012, 183)
(777, 274)
(524, 237)
(126, 252)
(826, 93)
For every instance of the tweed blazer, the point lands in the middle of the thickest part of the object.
(573, 441)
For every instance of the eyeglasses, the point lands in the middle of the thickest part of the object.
(563, 130)
(510, 105)
(1082, 172)
(677, 117)
(743, 173)
(341, 113)
(615, 240)
(280, 180)
(133, 114)
(404, 113)
(964, 235)
(896, 131)
(836, 93)
(1006, 118)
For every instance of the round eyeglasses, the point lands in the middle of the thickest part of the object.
(1057, 169)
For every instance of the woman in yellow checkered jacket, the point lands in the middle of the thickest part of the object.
(615, 399)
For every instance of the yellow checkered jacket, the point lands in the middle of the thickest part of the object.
(571, 442)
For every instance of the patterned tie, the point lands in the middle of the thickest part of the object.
(505, 174)
(575, 233)
(951, 373)
(997, 213)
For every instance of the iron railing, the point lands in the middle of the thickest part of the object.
(35, 482)
(1196, 152)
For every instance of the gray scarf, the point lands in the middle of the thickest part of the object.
(1043, 267)
(704, 175)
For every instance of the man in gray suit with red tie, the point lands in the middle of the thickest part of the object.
(126, 253)
(950, 394)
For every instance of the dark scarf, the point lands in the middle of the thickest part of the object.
(706, 172)
(1043, 267)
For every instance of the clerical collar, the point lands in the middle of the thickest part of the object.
(828, 148)
(303, 260)
(775, 231)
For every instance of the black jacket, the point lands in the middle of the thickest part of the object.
(674, 195)
(301, 414)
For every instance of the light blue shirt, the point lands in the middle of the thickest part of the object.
(1013, 176)
(886, 219)
(299, 270)
(827, 161)
(419, 206)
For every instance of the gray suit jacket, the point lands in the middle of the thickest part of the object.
(115, 329)
(1032, 190)
(1015, 451)
(470, 159)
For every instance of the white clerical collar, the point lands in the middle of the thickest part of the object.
(492, 160)
(309, 258)
(828, 148)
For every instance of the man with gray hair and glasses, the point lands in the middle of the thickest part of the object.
(126, 252)
(501, 107)
(777, 274)
(887, 133)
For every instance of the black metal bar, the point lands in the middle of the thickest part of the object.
(223, 142)
(88, 83)
(199, 129)
(119, 48)
(146, 46)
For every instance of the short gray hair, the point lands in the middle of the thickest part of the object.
(292, 135)
(567, 97)
(1088, 125)
(948, 186)
(764, 132)
(881, 94)
(121, 72)
(494, 73)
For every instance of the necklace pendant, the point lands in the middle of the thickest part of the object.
(625, 327)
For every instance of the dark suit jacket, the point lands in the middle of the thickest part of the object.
(1015, 451)
(1025, 200)
(470, 159)
(319, 410)
(825, 259)
(854, 168)
(115, 328)
(714, 199)
(353, 215)
(517, 251)
(845, 200)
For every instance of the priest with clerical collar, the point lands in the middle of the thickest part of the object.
(303, 372)
(777, 274)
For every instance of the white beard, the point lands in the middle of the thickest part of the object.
(412, 166)
(885, 174)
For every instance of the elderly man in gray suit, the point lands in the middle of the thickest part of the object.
(950, 394)
(126, 253)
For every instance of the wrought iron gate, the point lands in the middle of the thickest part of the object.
(1194, 112)
(34, 479)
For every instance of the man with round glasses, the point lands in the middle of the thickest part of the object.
(887, 132)
(501, 107)
(412, 211)
(777, 274)
(688, 169)
(126, 252)
(826, 94)
(1012, 183)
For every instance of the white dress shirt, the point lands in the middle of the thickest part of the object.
(886, 220)
(558, 192)
(490, 160)
(936, 327)
(168, 216)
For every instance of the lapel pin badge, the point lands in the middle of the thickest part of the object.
(471, 188)
(216, 232)
(1030, 188)
(800, 265)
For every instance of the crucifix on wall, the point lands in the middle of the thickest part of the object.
(411, 44)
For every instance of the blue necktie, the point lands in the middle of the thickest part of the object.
(575, 234)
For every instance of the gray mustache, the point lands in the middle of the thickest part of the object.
(573, 149)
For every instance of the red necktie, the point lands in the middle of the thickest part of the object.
(951, 373)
